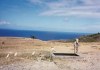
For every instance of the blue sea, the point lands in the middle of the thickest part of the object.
(42, 35)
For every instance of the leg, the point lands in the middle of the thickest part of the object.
(77, 49)
(74, 49)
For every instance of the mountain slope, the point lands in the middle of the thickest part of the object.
(90, 38)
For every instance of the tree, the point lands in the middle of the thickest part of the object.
(33, 37)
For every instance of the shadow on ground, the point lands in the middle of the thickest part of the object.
(65, 54)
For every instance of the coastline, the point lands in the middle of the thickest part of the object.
(43, 35)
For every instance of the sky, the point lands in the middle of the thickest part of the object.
(51, 15)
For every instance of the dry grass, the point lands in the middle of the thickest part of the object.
(88, 52)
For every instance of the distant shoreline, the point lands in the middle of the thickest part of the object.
(42, 35)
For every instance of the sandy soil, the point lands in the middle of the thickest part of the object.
(31, 52)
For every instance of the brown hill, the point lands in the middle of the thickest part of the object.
(90, 38)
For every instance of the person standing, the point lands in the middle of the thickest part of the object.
(76, 45)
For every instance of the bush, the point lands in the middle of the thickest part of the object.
(33, 37)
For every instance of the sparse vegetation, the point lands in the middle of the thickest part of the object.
(33, 37)
(87, 38)
(32, 53)
(90, 38)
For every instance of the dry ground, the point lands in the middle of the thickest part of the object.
(34, 54)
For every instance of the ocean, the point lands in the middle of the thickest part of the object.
(42, 35)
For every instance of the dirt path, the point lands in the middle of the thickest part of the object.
(33, 65)
(85, 61)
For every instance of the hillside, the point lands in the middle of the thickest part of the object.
(90, 38)
(34, 54)
(86, 38)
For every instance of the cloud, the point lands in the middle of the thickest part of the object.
(38, 2)
(91, 2)
(81, 8)
(90, 28)
(3, 22)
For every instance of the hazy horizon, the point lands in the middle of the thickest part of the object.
(48, 31)
(81, 16)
